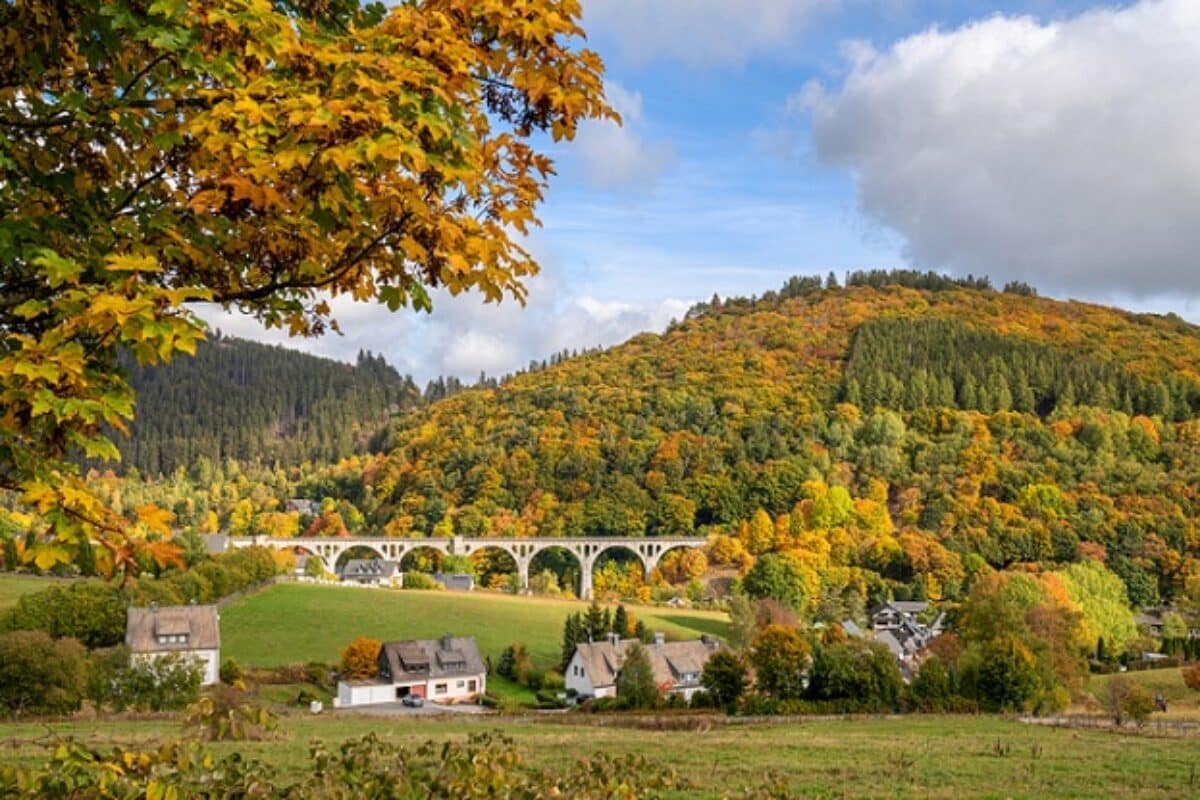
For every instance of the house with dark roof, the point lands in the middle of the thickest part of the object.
(897, 625)
(372, 571)
(191, 631)
(444, 670)
(593, 669)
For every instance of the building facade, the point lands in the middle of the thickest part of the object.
(190, 631)
(445, 670)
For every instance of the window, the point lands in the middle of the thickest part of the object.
(439, 688)
(460, 684)
(471, 686)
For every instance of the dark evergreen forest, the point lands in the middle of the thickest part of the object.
(248, 401)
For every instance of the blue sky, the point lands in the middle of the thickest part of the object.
(1050, 142)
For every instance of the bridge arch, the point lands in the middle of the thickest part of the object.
(358, 550)
(570, 569)
(486, 564)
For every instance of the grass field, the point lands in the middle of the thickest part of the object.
(934, 757)
(291, 623)
(1182, 702)
(13, 586)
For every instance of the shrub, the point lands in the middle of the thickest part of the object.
(1191, 677)
(419, 580)
(231, 671)
(89, 611)
(226, 715)
(1125, 700)
(857, 670)
(360, 659)
(484, 766)
(41, 675)
(165, 683)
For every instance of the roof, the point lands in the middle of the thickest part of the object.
(903, 606)
(432, 658)
(201, 625)
(370, 568)
(215, 543)
(851, 628)
(455, 580)
(670, 661)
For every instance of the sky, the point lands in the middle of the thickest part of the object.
(1049, 142)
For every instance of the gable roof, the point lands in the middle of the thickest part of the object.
(199, 624)
(670, 661)
(417, 659)
(901, 606)
(370, 568)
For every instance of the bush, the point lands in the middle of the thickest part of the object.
(226, 715)
(41, 675)
(231, 672)
(484, 766)
(1191, 677)
(164, 683)
(1125, 700)
(857, 670)
(420, 580)
(89, 611)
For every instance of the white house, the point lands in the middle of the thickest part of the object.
(593, 669)
(446, 670)
(372, 572)
(193, 631)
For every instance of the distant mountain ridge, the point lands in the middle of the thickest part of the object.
(999, 424)
(242, 400)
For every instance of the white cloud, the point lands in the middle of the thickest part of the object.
(464, 336)
(1064, 153)
(701, 32)
(620, 156)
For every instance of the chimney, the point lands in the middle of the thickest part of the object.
(660, 638)
(446, 641)
(614, 639)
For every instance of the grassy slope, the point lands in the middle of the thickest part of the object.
(934, 757)
(293, 623)
(1181, 701)
(13, 586)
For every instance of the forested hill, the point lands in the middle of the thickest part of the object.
(912, 426)
(244, 400)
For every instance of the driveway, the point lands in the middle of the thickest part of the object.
(401, 710)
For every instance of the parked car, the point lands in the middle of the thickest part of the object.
(413, 700)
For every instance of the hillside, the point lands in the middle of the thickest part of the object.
(242, 400)
(310, 623)
(893, 433)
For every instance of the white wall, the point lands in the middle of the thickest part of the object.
(577, 678)
(363, 694)
(210, 659)
(456, 689)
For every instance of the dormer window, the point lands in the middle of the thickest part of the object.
(172, 638)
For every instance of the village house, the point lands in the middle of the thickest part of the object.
(372, 572)
(1153, 620)
(896, 624)
(677, 666)
(445, 670)
(191, 631)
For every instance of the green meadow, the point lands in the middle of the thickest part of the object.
(293, 623)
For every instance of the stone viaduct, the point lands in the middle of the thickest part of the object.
(585, 550)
